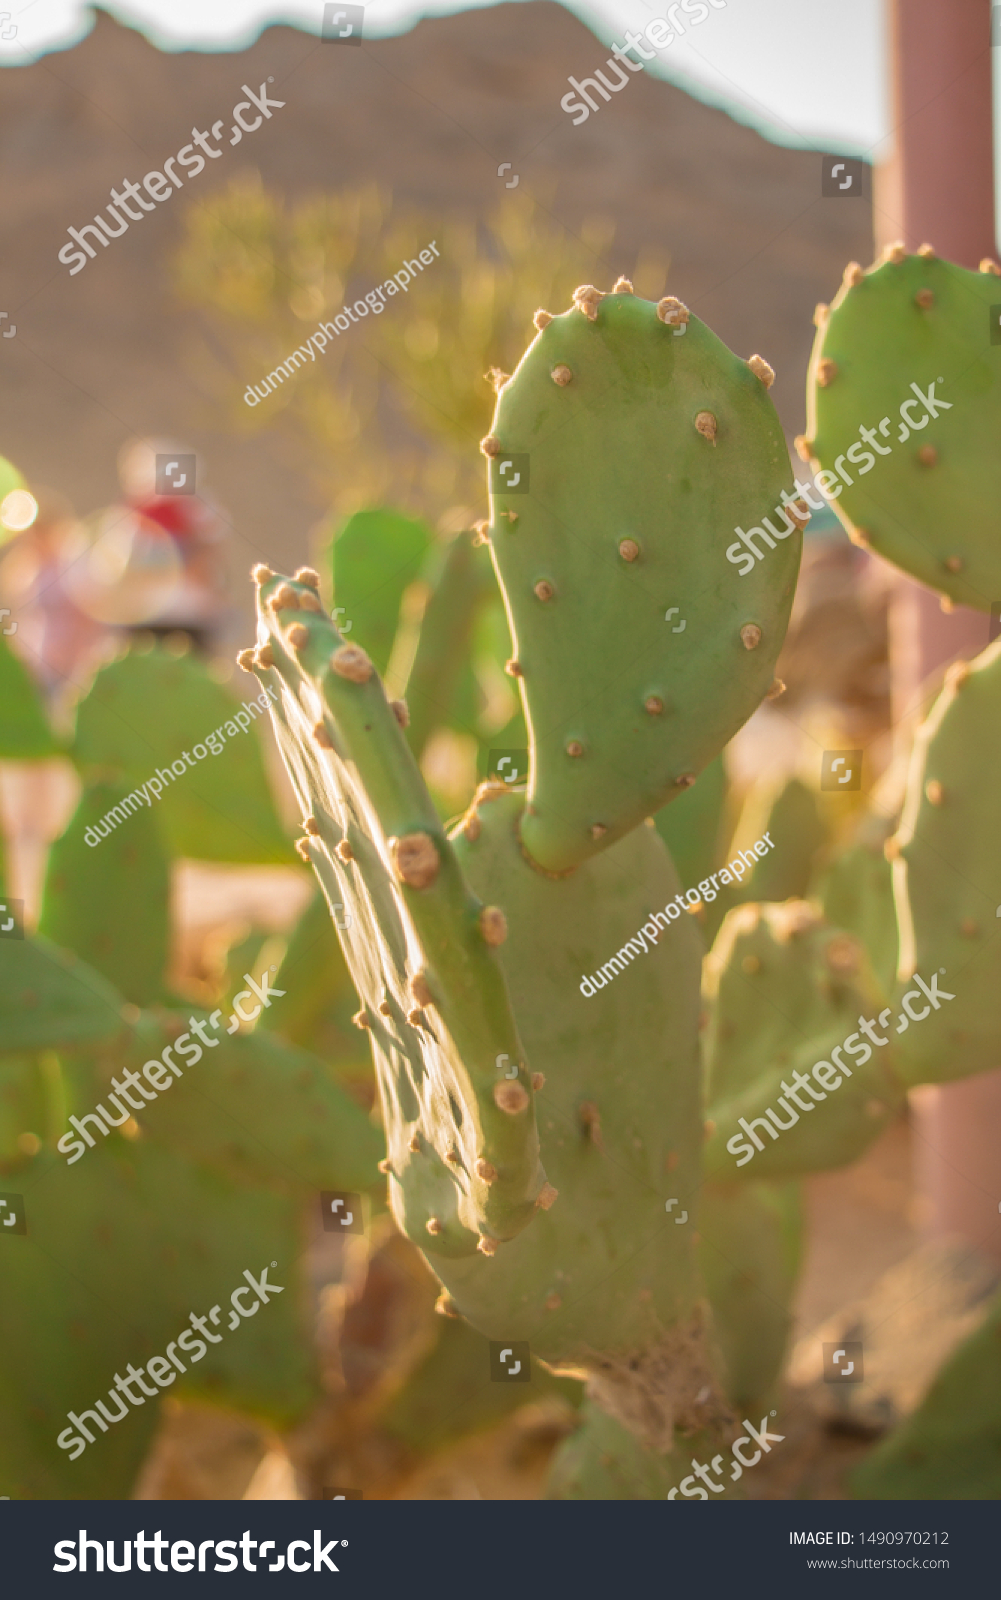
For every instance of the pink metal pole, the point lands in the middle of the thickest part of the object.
(938, 187)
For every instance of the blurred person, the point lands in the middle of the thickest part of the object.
(196, 527)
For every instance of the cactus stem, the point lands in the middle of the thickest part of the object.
(561, 375)
(415, 859)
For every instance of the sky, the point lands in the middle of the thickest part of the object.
(805, 72)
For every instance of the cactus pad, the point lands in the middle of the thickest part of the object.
(456, 1090)
(947, 878)
(785, 991)
(640, 452)
(924, 490)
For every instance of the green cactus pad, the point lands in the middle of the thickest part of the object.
(856, 892)
(141, 714)
(644, 450)
(604, 1284)
(950, 1447)
(25, 734)
(785, 990)
(947, 879)
(119, 1252)
(49, 999)
(929, 501)
(749, 1252)
(108, 901)
(463, 1147)
(376, 556)
(253, 1107)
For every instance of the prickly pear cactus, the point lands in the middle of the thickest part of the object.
(788, 992)
(947, 880)
(903, 406)
(625, 452)
(456, 1089)
(108, 901)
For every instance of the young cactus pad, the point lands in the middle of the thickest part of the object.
(787, 993)
(456, 1092)
(903, 410)
(947, 880)
(640, 445)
